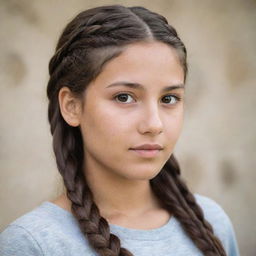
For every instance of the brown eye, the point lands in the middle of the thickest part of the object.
(124, 98)
(170, 99)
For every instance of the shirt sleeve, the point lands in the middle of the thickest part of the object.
(231, 245)
(17, 241)
(221, 223)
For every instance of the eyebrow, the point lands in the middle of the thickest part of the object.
(141, 87)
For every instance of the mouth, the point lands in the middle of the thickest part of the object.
(147, 150)
(147, 153)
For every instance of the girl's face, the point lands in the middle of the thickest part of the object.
(137, 99)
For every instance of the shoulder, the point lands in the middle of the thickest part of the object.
(42, 231)
(214, 214)
(44, 217)
(220, 221)
(211, 208)
(20, 236)
(15, 240)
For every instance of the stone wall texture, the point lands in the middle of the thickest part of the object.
(218, 144)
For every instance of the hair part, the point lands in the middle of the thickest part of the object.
(88, 42)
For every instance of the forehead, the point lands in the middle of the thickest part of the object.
(144, 63)
(154, 51)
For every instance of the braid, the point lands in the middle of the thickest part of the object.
(68, 148)
(177, 199)
(190, 199)
(91, 39)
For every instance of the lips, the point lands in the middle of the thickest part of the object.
(148, 147)
(147, 150)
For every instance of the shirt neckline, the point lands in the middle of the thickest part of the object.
(124, 232)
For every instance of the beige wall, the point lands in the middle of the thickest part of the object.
(218, 144)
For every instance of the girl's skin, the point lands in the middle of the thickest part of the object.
(111, 125)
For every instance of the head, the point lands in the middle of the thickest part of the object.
(136, 99)
(117, 82)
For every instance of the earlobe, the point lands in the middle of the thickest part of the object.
(69, 107)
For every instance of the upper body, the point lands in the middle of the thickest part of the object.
(116, 101)
(51, 230)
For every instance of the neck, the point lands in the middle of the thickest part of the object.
(117, 196)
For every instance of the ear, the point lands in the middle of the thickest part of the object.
(70, 106)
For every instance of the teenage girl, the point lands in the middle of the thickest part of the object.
(116, 101)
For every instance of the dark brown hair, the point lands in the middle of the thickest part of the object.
(90, 40)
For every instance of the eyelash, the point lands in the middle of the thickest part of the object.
(177, 98)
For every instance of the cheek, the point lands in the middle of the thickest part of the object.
(174, 125)
(103, 124)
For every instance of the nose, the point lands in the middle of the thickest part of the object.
(150, 121)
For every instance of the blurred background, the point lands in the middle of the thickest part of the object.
(217, 148)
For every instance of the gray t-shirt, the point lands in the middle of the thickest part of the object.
(50, 230)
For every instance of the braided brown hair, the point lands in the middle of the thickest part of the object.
(91, 39)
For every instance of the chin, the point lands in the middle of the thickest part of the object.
(146, 174)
